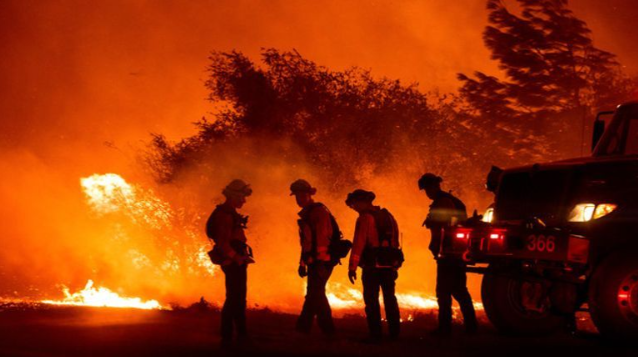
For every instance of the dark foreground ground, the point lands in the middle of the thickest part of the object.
(71, 331)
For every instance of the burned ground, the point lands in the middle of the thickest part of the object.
(80, 331)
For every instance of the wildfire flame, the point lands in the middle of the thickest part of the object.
(102, 297)
(341, 297)
(110, 193)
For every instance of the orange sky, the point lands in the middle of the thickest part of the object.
(90, 72)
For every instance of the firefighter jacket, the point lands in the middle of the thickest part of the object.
(366, 237)
(445, 211)
(225, 227)
(315, 233)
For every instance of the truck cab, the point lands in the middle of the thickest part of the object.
(562, 237)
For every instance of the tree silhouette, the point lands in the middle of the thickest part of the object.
(553, 75)
(342, 121)
(349, 125)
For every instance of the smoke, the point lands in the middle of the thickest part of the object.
(46, 232)
(106, 228)
(270, 165)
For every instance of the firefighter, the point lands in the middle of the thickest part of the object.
(376, 250)
(451, 280)
(225, 227)
(316, 229)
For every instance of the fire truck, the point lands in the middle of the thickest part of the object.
(562, 237)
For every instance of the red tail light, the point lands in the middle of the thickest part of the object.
(462, 233)
(496, 241)
(498, 234)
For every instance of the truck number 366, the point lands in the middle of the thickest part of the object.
(541, 243)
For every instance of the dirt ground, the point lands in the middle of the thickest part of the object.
(79, 331)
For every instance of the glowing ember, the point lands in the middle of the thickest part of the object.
(415, 301)
(106, 192)
(341, 297)
(110, 193)
(102, 297)
(203, 261)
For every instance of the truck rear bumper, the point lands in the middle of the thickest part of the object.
(488, 243)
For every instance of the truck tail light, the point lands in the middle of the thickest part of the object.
(498, 234)
(463, 233)
(496, 241)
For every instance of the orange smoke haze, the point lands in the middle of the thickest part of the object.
(84, 83)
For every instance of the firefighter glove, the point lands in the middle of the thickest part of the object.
(303, 271)
(352, 276)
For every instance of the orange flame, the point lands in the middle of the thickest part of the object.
(341, 297)
(102, 297)
(110, 193)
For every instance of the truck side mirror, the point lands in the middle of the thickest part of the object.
(599, 129)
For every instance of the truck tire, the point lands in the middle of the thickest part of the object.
(502, 299)
(613, 296)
